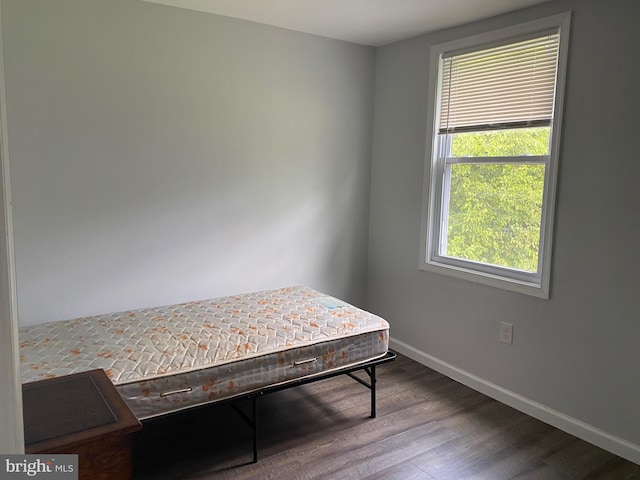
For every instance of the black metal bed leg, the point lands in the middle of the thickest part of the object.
(254, 426)
(371, 372)
(372, 376)
(252, 421)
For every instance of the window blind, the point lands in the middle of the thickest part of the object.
(505, 86)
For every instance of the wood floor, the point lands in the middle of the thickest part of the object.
(428, 427)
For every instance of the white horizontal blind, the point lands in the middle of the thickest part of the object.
(506, 86)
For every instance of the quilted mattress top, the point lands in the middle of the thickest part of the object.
(142, 344)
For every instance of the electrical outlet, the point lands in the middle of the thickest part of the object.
(506, 332)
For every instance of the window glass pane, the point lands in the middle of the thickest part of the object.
(494, 214)
(501, 143)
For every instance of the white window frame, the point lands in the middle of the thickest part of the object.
(434, 189)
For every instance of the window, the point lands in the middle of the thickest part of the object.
(494, 121)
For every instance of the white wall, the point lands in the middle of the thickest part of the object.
(161, 155)
(577, 355)
(11, 425)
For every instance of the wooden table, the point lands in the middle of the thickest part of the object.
(83, 414)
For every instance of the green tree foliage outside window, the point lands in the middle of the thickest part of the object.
(495, 209)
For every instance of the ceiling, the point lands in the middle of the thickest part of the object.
(367, 22)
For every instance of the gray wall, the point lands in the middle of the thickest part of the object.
(160, 155)
(578, 352)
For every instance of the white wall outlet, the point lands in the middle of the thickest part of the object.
(506, 332)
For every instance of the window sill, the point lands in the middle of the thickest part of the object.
(497, 281)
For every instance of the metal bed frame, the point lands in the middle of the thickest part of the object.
(368, 367)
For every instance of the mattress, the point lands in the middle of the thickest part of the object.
(170, 358)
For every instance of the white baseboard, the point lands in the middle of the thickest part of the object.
(584, 431)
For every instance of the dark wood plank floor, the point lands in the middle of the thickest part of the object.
(428, 427)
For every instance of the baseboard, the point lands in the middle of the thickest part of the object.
(584, 431)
